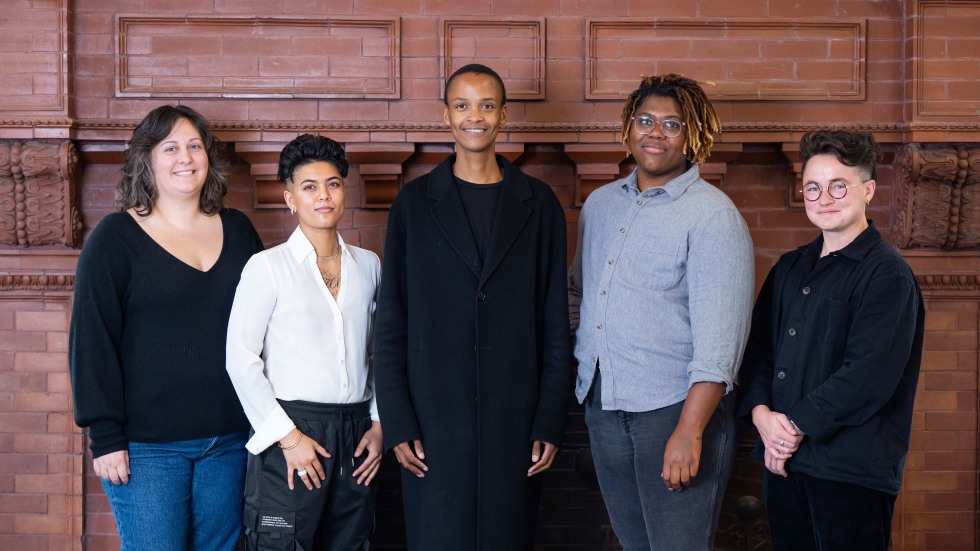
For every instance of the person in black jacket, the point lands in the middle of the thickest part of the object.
(153, 290)
(832, 363)
(472, 351)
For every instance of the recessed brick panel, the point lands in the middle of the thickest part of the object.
(34, 59)
(946, 66)
(748, 60)
(258, 57)
(513, 48)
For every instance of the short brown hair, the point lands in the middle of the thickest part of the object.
(851, 148)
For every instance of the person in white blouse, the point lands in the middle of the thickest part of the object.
(299, 355)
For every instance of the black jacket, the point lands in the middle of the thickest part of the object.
(473, 358)
(836, 344)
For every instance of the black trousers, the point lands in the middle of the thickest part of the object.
(812, 514)
(338, 516)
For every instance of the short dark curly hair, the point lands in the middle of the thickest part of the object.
(696, 111)
(310, 148)
(137, 189)
(476, 69)
(851, 148)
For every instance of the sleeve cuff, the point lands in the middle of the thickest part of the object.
(274, 428)
(699, 372)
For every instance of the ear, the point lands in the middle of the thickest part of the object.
(503, 114)
(869, 191)
(445, 115)
(290, 202)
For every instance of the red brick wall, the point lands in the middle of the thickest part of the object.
(369, 73)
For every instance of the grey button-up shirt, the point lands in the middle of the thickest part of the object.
(660, 291)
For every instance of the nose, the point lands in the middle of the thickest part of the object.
(474, 114)
(825, 198)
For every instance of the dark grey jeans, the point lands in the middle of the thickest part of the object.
(628, 450)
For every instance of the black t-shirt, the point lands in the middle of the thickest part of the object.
(480, 204)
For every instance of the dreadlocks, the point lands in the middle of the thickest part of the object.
(699, 116)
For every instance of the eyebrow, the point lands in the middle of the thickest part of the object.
(330, 179)
(481, 99)
(178, 141)
(650, 115)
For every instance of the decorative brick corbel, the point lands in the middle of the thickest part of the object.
(713, 170)
(938, 198)
(794, 193)
(381, 168)
(263, 161)
(595, 165)
(39, 194)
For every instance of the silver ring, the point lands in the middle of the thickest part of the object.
(301, 472)
(781, 442)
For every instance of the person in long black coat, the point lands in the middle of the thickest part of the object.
(472, 351)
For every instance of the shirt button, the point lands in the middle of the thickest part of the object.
(781, 375)
(622, 230)
(610, 261)
(602, 293)
(482, 296)
(638, 202)
(806, 290)
(792, 332)
(598, 326)
(341, 362)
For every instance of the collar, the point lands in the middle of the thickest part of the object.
(301, 249)
(855, 250)
(441, 179)
(674, 188)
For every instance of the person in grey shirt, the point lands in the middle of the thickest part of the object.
(660, 296)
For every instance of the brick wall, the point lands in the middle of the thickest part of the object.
(369, 73)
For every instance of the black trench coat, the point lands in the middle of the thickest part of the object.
(473, 358)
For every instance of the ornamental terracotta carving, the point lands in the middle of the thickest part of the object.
(940, 197)
(38, 194)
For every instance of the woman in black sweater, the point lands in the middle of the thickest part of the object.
(154, 287)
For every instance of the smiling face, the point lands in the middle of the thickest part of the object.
(659, 159)
(841, 220)
(475, 112)
(316, 192)
(180, 162)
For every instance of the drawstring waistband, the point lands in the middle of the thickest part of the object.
(344, 413)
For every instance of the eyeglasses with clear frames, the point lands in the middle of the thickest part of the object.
(837, 190)
(645, 125)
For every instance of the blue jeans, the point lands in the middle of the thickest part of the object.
(181, 495)
(628, 451)
(807, 513)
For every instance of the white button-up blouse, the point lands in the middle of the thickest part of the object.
(289, 339)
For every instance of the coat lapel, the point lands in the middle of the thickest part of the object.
(511, 216)
(450, 216)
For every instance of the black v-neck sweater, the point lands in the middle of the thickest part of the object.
(147, 337)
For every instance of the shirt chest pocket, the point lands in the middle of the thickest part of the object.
(654, 265)
(835, 324)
